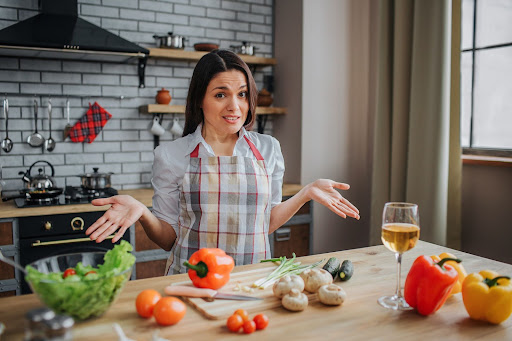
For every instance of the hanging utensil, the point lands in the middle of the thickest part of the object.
(12, 263)
(6, 142)
(36, 139)
(68, 126)
(49, 144)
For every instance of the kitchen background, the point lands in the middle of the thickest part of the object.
(125, 146)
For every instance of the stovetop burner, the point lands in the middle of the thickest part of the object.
(71, 196)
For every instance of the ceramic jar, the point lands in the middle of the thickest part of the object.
(264, 98)
(163, 96)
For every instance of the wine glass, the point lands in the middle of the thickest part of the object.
(400, 232)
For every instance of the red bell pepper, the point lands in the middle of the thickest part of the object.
(209, 268)
(429, 283)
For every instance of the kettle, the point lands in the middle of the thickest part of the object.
(39, 181)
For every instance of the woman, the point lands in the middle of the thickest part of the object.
(219, 185)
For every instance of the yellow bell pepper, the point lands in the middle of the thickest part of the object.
(487, 296)
(457, 266)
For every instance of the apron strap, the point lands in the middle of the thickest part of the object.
(195, 152)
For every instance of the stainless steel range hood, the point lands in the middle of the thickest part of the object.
(58, 32)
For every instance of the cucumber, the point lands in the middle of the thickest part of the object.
(346, 270)
(332, 266)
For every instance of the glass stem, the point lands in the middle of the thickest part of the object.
(399, 271)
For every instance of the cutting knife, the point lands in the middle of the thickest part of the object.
(182, 290)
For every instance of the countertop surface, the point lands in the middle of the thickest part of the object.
(359, 318)
(9, 210)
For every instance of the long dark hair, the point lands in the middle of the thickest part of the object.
(208, 66)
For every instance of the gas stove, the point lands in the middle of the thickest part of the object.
(71, 196)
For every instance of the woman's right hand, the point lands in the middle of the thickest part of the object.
(123, 213)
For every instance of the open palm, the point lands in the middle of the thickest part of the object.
(324, 192)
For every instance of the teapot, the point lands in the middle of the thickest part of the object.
(39, 181)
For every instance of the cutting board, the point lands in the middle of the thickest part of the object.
(222, 309)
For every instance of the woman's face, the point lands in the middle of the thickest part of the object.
(225, 104)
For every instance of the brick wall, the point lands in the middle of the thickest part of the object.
(125, 146)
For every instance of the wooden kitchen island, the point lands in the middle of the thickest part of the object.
(360, 317)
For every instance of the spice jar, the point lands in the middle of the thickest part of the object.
(34, 324)
(59, 328)
(163, 96)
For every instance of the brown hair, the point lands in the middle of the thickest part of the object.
(208, 67)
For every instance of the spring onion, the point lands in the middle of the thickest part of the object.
(286, 267)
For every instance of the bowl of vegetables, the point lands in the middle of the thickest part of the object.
(82, 285)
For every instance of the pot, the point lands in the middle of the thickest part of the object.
(39, 181)
(170, 41)
(245, 48)
(35, 193)
(95, 180)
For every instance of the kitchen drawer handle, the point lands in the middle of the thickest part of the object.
(79, 226)
(65, 241)
(283, 234)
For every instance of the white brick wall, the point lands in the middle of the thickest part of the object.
(125, 145)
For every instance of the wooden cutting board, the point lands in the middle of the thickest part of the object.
(222, 309)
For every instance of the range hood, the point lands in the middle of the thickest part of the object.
(58, 32)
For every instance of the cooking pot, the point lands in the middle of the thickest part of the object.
(39, 181)
(170, 41)
(95, 180)
(245, 48)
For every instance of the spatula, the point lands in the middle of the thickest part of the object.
(68, 126)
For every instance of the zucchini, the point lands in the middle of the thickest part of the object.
(346, 270)
(332, 266)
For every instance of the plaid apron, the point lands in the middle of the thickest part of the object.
(225, 203)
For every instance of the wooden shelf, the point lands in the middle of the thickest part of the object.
(196, 55)
(180, 109)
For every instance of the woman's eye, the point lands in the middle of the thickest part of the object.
(220, 95)
(243, 94)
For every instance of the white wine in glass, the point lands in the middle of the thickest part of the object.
(400, 232)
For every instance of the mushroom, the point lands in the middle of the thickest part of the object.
(315, 278)
(331, 294)
(287, 283)
(295, 300)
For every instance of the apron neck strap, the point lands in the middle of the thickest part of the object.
(195, 152)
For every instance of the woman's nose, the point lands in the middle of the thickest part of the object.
(233, 103)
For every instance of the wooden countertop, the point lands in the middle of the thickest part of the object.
(9, 210)
(360, 317)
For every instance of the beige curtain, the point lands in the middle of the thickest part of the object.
(416, 151)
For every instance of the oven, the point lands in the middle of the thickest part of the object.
(45, 236)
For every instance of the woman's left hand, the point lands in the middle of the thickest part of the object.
(324, 191)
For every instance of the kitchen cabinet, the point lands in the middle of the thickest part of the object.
(9, 285)
(151, 259)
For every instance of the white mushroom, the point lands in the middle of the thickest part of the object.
(315, 278)
(331, 294)
(287, 283)
(295, 300)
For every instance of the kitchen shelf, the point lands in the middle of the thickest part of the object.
(180, 109)
(196, 55)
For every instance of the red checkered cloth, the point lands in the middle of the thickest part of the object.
(90, 125)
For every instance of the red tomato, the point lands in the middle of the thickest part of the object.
(169, 311)
(90, 272)
(145, 302)
(235, 322)
(261, 321)
(242, 313)
(249, 327)
(69, 272)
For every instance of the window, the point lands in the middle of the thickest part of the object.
(486, 76)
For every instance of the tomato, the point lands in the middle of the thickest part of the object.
(69, 272)
(261, 321)
(249, 327)
(90, 272)
(169, 311)
(242, 313)
(235, 322)
(145, 302)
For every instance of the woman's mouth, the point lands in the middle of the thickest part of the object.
(231, 119)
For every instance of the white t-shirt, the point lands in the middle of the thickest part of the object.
(172, 159)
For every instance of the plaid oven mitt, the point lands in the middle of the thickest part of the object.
(90, 124)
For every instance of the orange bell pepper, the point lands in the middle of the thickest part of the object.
(209, 268)
(457, 266)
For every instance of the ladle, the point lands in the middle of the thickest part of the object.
(13, 263)
(6, 142)
(49, 144)
(35, 139)
(68, 126)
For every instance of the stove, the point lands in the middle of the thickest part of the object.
(71, 196)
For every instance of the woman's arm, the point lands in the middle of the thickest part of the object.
(322, 191)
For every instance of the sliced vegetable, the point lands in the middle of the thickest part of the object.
(332, 266)
(346, 270)
(69, 272)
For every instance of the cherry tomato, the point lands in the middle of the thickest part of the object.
(90, 272)
(69, 272)
(145, 302)
(261, 321)
(242, 313)
(249, 327)
(235, 322)
(169, 311)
